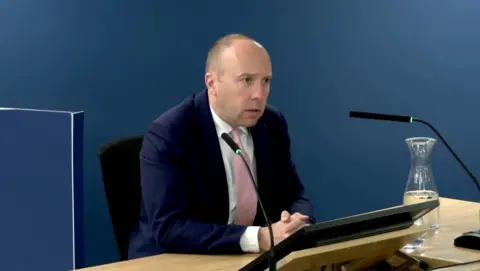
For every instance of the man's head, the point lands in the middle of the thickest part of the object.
(238, 75)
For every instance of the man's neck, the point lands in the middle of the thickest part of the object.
(219, 115)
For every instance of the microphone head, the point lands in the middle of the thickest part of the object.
(376, 116)
(236, 149)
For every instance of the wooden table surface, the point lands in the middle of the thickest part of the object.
(456, 217)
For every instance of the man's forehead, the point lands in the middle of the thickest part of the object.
(249, 65)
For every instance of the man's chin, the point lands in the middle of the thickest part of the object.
(250, 118)
(249, 122)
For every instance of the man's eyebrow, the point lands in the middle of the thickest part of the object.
(245, 74)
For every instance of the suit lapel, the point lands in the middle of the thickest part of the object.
(211, 156)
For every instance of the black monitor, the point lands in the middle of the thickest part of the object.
(347, 228)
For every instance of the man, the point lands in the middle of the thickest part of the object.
(196, 193)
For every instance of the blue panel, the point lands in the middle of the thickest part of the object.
(36, 190)
(78, 132)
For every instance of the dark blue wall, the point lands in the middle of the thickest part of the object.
(124, 62)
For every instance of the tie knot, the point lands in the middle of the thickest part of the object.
(236, 133)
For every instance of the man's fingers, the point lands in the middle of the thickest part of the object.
(299, 216)
(294, 228)
(285, 216)
(294, 225)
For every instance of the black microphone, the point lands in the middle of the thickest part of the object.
(375, 116)
(239, 151)
(459, 241)
(366, 115)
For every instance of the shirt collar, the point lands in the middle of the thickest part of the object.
(222, 126)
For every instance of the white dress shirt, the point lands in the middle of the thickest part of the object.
(249, 240)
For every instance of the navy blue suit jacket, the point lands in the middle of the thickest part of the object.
(185, 204)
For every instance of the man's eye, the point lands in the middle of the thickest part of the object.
(267, 80)
(247, 80)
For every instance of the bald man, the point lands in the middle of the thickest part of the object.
(197, 195)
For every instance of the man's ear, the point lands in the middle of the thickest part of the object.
(210, 82)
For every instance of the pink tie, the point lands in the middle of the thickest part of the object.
(246, 196)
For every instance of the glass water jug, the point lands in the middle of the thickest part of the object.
(420, 185)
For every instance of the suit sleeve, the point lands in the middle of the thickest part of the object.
(165, 203)
(295, 198)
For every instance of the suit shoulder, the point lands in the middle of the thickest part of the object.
(274, 116)
(174, 123)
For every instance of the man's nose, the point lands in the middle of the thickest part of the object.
(258, 92)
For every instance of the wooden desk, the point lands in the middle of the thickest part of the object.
(179, 262)
(456, 217)
(338, 252)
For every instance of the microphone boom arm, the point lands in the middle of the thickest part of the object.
(450, 150)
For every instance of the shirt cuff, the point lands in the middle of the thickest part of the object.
(249, 240)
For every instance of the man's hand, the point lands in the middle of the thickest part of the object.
(286, 226)
(286, 217)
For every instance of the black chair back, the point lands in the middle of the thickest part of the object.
(120, 165)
